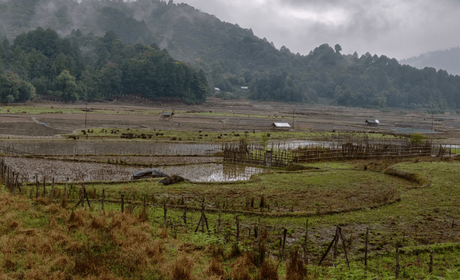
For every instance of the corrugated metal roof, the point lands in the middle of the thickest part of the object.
(281, 125)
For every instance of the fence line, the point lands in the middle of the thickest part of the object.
(279, 156)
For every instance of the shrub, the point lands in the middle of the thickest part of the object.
(416, 138)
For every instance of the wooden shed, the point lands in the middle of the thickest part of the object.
(372, 122)
(166, 115)
(281, 126)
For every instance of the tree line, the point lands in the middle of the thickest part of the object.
(89, 67)
(228, 56)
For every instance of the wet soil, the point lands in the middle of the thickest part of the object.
(219, 115)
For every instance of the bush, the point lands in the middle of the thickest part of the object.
(416, 138)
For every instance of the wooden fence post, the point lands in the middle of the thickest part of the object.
(198, 225)
(52, 189)
(206, 221)
(185, 219)
(237, 228)
(431, 261)
(65, 191)
(344, 247)
(165, 211)
(397, 262)
(103, 198)
(365, 248)
(12, 187)
(122, 203)
(328, 249)
(37, 185)
(305, 260)
(82, 198)
(336, 244)
(284, 243)
(219, 221)
(258, 234)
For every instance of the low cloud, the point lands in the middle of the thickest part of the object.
(396, 28)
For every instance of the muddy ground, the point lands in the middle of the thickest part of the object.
(225, 116)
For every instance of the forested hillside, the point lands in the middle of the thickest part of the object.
(88, 67)
(448, 60)
(229, 56)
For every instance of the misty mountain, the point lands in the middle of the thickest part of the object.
(448, 60)
(229, 56)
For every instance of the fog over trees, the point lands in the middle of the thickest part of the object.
(99, 49)
(448, 60)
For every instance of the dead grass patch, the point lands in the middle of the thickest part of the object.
(52, 208)
(182, 268)
(412, 177)
(215, 268)
(240, 268)
(163, 233)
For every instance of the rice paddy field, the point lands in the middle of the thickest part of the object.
(70, 208)
(246, 220)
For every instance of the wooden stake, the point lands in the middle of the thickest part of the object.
(165, 212)
(344, 247)
(123, 203)
(328, 249)
(36, 182)
(185, 219)
(336, 244)
(219, 221)
(206, 221)
(305, 260)
(397, 262)
(198, 225)
(431, 261)
(365, 248)
(103, 199)
(86, 195)
(52, 189)
(82, 199)
(237, 228)
(258, 234)
(284, 243)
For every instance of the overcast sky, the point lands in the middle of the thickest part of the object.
(396, 28)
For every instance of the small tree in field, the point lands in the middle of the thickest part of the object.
(264, 141)
(416, 138)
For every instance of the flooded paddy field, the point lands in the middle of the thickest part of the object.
(149, 161)
(67, 171)
(73, 148)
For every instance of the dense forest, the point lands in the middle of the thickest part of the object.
(91, 68)
(112, 47)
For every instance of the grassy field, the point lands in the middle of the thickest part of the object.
(82, 110)
(221, 137)
(417, 218)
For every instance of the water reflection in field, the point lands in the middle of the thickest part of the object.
(213, 172)
(67, 171)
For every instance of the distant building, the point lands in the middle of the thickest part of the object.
(244, 88)
(166, 115)
(217, 89)
(372, 122)
(280, 126)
